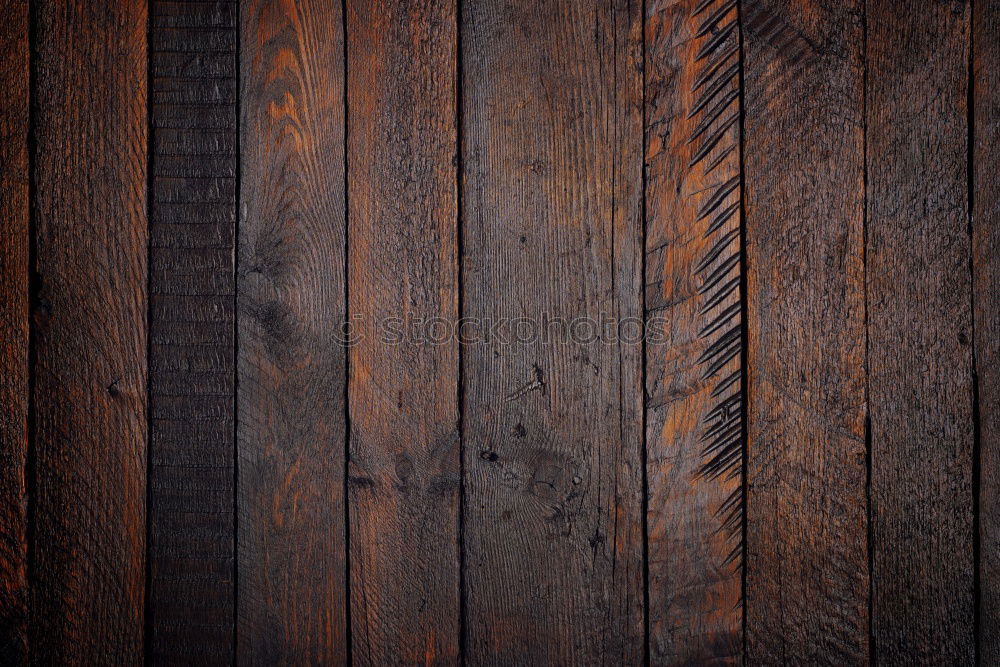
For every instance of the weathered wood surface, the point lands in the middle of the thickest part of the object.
(193, 160)
(807, 579)
(89, 320)
(291, 368)
(694, 429)
(986, 300)
(798, 195)
(14, 250)
(920, 332)
(552, 228)
(404, 471)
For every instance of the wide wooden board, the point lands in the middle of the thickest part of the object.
(405, 472)
(89, 322)
(292, 593)
(552, 232)
(920, 332)
(807, 583)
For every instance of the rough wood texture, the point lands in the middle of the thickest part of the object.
(404, 452)
(694, 410)
(14, 245)
(516, 489)
(552, 146)
(986, 299)
(191, 356)
(807, 567)
(920, 332)
(88, 574)
(290, 410)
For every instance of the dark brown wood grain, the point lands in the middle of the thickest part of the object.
(14, 250)
(362, 286)
(693, 407)
(290, 410)
(404, 472)
(807, 581)
(986, 299)
(89, 319)
(920, 332)
(191, 328)
(552, 230)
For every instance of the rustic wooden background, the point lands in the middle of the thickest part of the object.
(197, 195)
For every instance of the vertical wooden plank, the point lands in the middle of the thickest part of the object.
(14, 243)
(290, 410)
(986, 298)
(920, 332)
(404, 451)
(90, 332)
(191, 354)
(694, 435)
(807, 564)
(552, 146)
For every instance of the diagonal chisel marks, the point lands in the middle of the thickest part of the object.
(693, 357)
(768, 27)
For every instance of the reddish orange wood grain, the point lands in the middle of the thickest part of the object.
(796, 200)
(693, 388)
(291, 542)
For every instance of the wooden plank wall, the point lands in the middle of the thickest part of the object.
(239, 235)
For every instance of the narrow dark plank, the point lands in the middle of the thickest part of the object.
(920, 332)
(291, 415)
(807, 579)
(693, 377)
(14, 332)
(552, 156)
(404, 451)
(90, 332)
(191, 356)
(986, 291)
